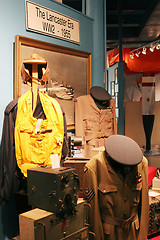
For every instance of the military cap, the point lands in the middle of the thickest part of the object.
(100, 94)
(123, 150)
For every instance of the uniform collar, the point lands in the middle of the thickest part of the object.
(94, 106)
(129, 176)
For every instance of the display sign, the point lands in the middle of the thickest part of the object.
(48, 22)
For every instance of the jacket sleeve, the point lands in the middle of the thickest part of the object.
(112, 102)
(65, 143)
(8, 162)
(144, 216)
(79, 116)
(91, 195)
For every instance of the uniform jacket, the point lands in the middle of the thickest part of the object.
(111, 195)
(11, 177)
(36, 140)
(92, 123)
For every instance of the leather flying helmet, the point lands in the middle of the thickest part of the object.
(43, 71)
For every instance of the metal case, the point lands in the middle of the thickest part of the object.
(39, 224)
(54, 190)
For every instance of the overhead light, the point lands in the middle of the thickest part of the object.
(144, 50)
(152, 47)
(158, 46)
(137, 53)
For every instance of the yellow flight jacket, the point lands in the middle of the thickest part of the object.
(37, 139)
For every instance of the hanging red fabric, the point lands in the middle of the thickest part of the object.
(145, 63)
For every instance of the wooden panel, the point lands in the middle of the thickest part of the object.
(79, 166)
(134, 124)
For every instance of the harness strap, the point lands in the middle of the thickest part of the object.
(38, 125)
(117, 221)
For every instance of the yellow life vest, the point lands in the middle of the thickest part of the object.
(34, 144)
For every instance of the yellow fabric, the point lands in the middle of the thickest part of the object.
(34, 149)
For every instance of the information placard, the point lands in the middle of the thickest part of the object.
(48, 22)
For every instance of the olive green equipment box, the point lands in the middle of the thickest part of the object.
(53, 190)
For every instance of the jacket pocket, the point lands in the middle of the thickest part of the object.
(90, 128)
(107, 188)
(107, 195)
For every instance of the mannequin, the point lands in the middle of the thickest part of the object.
(95, 118)
(34, 70)
(37, 139)
(116, 187)
(35, 61)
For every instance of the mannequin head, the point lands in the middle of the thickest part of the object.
(43, 72)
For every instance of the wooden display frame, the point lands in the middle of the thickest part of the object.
(40, 46)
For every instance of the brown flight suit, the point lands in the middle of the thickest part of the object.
(114, 199)
(93, 124)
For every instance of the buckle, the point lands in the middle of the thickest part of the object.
(128, 221)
